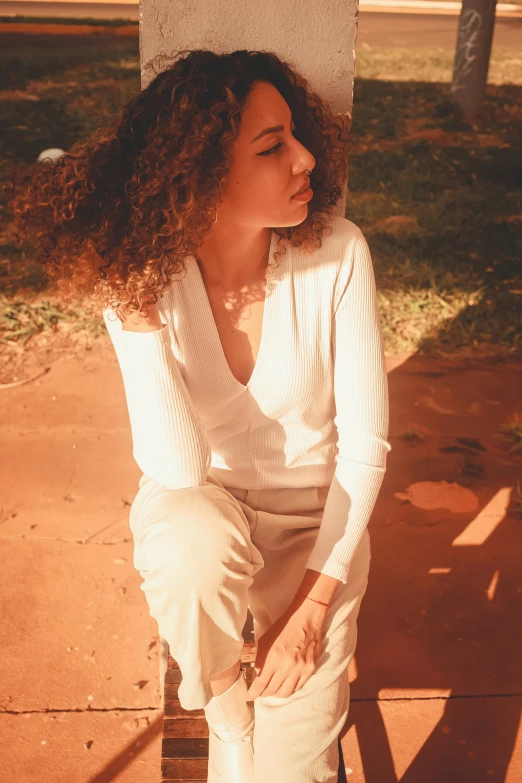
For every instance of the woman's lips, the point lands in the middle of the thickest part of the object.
(306, 195)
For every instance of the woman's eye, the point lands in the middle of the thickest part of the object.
(272, 149)
(277, 146)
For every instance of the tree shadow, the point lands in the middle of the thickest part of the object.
(439, 632)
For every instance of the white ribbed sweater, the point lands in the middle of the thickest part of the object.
(315, 411)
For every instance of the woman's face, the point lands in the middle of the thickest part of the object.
(268, 169)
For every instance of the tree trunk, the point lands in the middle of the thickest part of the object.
(470, 69)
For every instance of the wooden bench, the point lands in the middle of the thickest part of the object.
(184, 751)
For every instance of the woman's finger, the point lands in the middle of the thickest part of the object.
(260, 683)
(305, 676)
(302, 681)
(290, 685)
(278, 683)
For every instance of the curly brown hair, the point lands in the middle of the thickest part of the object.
(114, 218)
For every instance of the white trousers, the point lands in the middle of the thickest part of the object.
(207, 554)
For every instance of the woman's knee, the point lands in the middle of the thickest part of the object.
(189, 532)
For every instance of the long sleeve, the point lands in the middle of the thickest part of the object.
(169, 442)
(362, 414)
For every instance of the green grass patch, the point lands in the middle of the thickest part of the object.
(68, 67)
(431, 64)
(21, 319)
(440, 203)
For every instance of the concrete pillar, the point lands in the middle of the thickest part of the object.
(317, 39)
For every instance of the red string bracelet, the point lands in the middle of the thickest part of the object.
(313, 599)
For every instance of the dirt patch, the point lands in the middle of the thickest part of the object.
(23, 363)
(431, 495)
(17, 95)
(397, 224)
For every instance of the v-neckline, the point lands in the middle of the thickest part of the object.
(265, 325)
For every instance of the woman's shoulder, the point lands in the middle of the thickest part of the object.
(338, 246)
(346, 229)
(337, 241)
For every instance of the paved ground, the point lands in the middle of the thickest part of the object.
(410, 30)
(375, 28)
(436, 682)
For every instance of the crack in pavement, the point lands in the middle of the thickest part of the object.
(384, 698)
(66, 540)
(80, 709)
(443, 698)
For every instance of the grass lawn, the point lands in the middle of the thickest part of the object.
(439, 201)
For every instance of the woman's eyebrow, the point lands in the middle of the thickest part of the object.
(273, 129)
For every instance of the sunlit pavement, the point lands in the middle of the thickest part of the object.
(436, 683)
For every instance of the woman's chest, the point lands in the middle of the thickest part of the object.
(275, 343)
(239, 326)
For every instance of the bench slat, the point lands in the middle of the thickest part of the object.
(184, 748)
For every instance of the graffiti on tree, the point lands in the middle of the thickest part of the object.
(467, 41)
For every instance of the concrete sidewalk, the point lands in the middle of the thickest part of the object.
(436, 681)
(124, 10)
(445, 7)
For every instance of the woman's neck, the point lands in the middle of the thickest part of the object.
(233, 264)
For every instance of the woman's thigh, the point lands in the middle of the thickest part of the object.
(299, 733)
(192, 547)
(194, 528)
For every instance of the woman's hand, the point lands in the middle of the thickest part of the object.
(288, 652)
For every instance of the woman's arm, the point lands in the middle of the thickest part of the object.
(362, 413)
(169, 441)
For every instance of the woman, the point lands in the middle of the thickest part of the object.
(255, 384)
